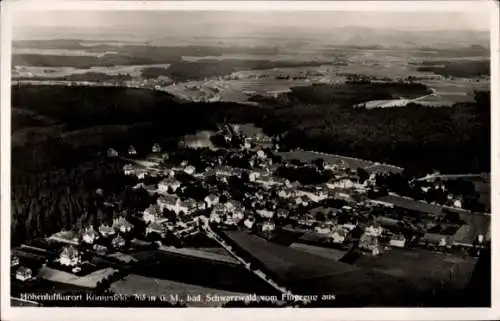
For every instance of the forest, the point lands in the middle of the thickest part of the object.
(460, 68)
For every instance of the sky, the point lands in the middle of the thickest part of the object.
(242, 20)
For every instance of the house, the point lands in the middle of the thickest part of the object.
(106, 230)
(349, 226)
(253, 175)
(268, 226)
(338, 236)
(397, 241)
(128, 169)
(131, 150)
(157, 228)
(313, 195)
(265, 213)
(261, 154)
(189, 170)
(249, 222)
(112, 152)
(23, 273)
(122, 224)
(215, 217)
(211, 200)
(435, 239)
(100, 249)
(228, 220)
(187, 206)
(224, 171)
(152, 214)
(90, 235)
(302, 200)
(375, 230)
(14, 261)
(168, 184)
(341, 182)
(266, 180)
(169, 202)
(368, 242)
(118, 242)
(457, 203)
(156, 148)
(286, 193)
(140, 173)
(322, 229)
(282, 213)
(69, 256)
(200, 205)
(238, 215)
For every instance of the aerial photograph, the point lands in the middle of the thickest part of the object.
(250, 159)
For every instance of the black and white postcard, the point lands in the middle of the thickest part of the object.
(250, 155)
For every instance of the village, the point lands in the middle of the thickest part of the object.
(248, 184)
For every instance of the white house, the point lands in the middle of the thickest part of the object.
(268, 226)
(342, 182)
(131, 150)
(211, 200)
(286, 193)
(69, 256)
(112, 152)
(189, 170)
(457, 203)
(140, 173)
(374, 230)
(265, 213)
(249, 222)
(152, 214)
(14, 261)
(158, 228)
(128, 169)
(118, 242)
(122, 224)
(168, 183)
(156, 148)
(187, 206)
(238, 215)
(106, 230)
(253, 175)
(397, 241)
(170, 202)
(261, 154)
(215, 217)
(322, 229)
(90, 235)
(349, 226)
(23, 273)
(338, 236)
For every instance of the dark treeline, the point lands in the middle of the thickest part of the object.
(462, 68)
(346, 95)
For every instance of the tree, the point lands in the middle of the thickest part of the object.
(363, 175)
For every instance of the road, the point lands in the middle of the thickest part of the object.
(211, 234)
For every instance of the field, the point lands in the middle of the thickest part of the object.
(328, 253)
(306, 273)
(200, 254)
(87, 281)
(136, 285)
(422, 266)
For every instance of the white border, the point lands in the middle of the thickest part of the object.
(8, 313)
